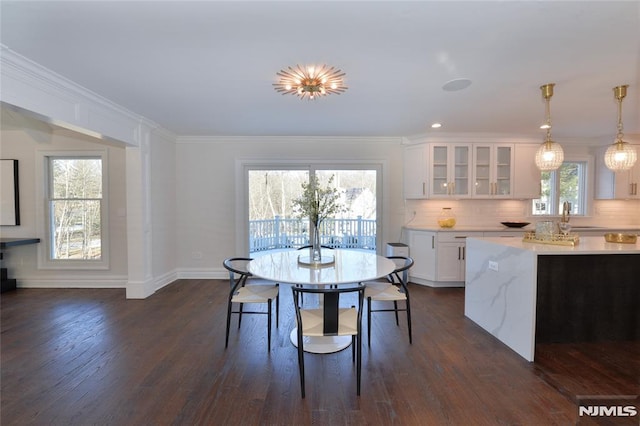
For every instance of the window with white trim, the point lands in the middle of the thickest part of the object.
(75, 211)
(568, 183)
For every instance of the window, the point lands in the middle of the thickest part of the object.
(568, 183)
(75, 211)
(271, 224)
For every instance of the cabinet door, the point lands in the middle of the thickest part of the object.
(450, 171)
(439, 171)
(493, 171)
(626, 183)
(415, 171)
(526, 175)
(503, 171)
(450, 262)
(422, 248)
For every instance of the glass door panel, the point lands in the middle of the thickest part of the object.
(503, 170)
(482, 170)
(461, 170)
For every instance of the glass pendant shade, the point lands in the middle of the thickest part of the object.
(549, 156)
(620, 156)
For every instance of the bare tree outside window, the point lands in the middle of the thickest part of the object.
(75, 203)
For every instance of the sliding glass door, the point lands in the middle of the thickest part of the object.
(272, 224)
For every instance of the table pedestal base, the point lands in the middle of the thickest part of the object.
(321, 344)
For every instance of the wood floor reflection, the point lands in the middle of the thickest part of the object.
(79, 357)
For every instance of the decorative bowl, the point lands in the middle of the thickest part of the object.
(613, 237)
(515, 224)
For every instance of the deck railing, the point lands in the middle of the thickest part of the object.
(279, 233)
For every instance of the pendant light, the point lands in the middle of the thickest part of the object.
(550, 154)
(620, 156)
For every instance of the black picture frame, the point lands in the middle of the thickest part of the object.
(9, 193)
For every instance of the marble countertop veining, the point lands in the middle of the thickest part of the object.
(587, 245)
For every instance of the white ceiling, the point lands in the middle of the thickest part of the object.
(207, 67)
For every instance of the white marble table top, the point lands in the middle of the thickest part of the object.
(587, 245)
(351, 266)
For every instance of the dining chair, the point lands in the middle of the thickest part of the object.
(330, 320)
(392, 289)
(308, 246)
(245, 289)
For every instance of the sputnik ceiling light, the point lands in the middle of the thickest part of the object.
(620, 156)
(550, 154)
(310, 82)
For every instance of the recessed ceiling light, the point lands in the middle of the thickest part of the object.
(456, 84)
(436, 125)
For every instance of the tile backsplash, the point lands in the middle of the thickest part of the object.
(492, 212)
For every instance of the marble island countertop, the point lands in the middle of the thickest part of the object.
(587, 245)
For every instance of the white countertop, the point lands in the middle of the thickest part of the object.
(532, 227)
(587, 245)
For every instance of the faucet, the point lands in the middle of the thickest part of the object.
(566, 211)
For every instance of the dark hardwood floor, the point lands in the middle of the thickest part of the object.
(81, 357)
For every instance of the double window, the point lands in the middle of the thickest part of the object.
(568, 183)
(76, 221)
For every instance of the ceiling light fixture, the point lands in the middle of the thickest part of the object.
(550, 154)
(310, 82)
(620, 156)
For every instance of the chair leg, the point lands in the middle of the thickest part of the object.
(226, 339)
(359, 363)
(369, 320)
(353, 348)
(301, 361)
(269, 325)
(278, 308)
(409, 321)
(240, 314)
(395, 307)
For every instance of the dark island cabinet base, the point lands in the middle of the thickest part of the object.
(588, 298)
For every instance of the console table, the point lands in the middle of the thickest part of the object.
(8, 283)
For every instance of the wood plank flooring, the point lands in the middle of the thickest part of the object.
(80, 357)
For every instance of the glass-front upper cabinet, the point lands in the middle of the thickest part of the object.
(493, 171)
(450, 171)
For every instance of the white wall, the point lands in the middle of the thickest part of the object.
(206, 188)
(21, 142)
(162, 207)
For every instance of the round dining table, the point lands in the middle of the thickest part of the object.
(347, 267)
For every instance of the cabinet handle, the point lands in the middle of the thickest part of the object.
(424, 185)
(460, 236)
(433, 242)
(464, 252)
(630, 189)
(458, 253)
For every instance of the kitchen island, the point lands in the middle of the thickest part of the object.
(523, 292)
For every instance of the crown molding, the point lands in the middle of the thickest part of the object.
(288, 139)
(28, 86)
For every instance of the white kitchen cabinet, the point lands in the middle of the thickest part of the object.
(450, 170)
(451, 253)
(422, 248)
(621, 185)
(526, 175)
(415, 173)
(492, 170)
(626, 183)
(439, 257)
